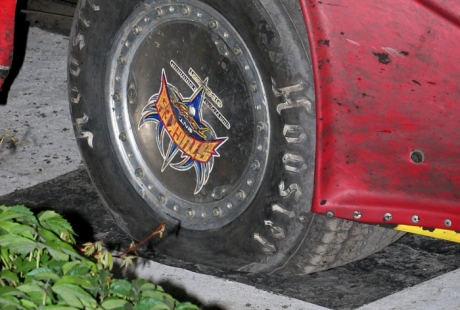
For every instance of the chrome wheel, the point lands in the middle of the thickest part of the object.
(189, 113)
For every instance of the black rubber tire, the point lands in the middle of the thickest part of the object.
(276, 231)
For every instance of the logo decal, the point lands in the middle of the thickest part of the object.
(181, 121)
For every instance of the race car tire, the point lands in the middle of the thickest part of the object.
(200, 113)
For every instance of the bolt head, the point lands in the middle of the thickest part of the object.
(116, 97)
(217, 193)
(122, 137)
(139, 173)
(190, 213)
(158, 12)
(330, 214)
(132, 94)
(241, 195)
(185, 10)
(260, 127)
(387, 217)
(213, 24)
(255, 165)
(121, 60)
(357, 215)
(216, 212)
(237, 50)
(137, 30)
(132, 91)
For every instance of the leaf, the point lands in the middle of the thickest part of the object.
(45, 257)
(145, 285)
(55, 250)
(74, 295)
(148, 289)
(17, 228)
(161, 296)
(70, 250)
(58, 308)
(8, 290)
(67, 237)
(28, 304)
(24, 230)
(6, 301)
(77, 280)
(9, 276)
(186, 306)
(26, 266)
(75, 268)
(43, 273)
(47, 235)
(104, 258)
(150, 304)
(15, 212)
(104, 278)
(56, 265)
(127, 261)
(7, 226)
(17, 244)
(34, 291)
(54, 222)
(122, 287)
(29, 287)
(88, 248)
(114, 303)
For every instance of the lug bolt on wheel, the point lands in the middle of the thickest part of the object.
(255, 165)
(241, 195)
(190, 213)
(139, 173)
(213, 24)
(137, 29)
(185, 10)
(216, 212)
(122, 137)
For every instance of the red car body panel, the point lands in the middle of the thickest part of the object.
(7, 12)
(387, 80)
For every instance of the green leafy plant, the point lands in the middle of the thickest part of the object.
(42, 269)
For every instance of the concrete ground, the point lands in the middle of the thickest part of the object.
(37, 116)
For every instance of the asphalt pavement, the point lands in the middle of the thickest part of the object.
(44, 171)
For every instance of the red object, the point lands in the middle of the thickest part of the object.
(387, 83)
(7, 13)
